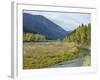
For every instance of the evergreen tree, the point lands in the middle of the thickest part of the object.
(80, 35)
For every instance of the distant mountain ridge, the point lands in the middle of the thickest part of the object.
(42, 25)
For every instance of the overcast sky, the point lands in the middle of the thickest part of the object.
(68, 21)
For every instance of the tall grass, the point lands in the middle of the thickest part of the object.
(45, 55)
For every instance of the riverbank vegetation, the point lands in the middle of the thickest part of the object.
(44, 55)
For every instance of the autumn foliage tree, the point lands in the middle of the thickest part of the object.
(80, 35)
(28, 37)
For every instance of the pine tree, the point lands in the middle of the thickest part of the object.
(81, 35)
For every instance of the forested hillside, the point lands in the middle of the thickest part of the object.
(42, 25)
(81, 35)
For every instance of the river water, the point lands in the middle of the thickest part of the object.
(73, 63)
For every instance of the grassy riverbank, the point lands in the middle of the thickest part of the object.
(44, 55)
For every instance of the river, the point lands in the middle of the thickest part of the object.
(73, 63)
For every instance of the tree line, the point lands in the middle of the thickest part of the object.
(28, 37)
(80, 35)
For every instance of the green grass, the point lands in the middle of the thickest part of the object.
(45, 55)
(87, 61)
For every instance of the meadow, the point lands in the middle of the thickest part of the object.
(43, 55)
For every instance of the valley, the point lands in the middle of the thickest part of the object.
(51, 43)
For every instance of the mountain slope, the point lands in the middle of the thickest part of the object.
(80, 35)
(42, 25)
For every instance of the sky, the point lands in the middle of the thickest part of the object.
(66, 20)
